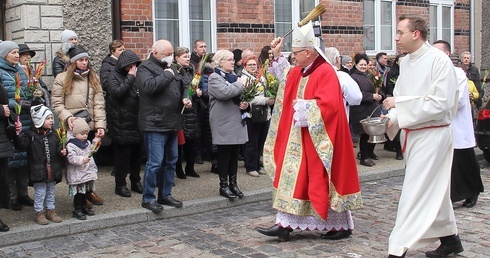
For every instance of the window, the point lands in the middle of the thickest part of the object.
(184, 21)
(287, 14)
(379, 26)
(441, 23)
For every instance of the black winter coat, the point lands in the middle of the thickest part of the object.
(108, 65)
(160, 97)
(6, 150)
(122, 107)
(32, 141)
(59, 63)
(368, 104)
(190, 123)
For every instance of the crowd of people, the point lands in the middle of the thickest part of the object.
(181, 105)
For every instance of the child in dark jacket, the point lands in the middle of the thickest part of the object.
(45, 158)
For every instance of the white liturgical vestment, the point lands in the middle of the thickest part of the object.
(426, 97)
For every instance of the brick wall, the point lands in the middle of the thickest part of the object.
(137, 26)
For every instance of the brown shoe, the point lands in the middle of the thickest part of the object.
(51, 215)
(40, 219)
(93, 198)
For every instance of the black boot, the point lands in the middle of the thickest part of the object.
(178, 167)
(78, 214)
(224, 190)
(234, 187)
(470, 202)
(189, 170)
(276, 230)
(88, 211)
(449, 244)
(3, 227)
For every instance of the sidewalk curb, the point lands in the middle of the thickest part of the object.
(35, 232)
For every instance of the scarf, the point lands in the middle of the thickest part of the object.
(230, 78)
(80, 144)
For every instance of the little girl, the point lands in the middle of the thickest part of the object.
(81, 171)
(45, 158)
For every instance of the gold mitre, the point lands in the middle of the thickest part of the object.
(304, 36)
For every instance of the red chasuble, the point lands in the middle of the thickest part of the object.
(314, 167)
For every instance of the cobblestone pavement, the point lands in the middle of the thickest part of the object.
(230, 233)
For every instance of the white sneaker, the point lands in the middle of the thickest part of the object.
(262, 172)
(253, 173)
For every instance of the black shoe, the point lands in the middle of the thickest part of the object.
(152, 206)
(276, 230)
(336, 235)
(137, 187)
(214, 169)
(123, 191)
(198, 160)
(240, 157)
(234, 189)
(15, 205)
(87, 211)
(170, 201)
(227, 193)
(367, 162)
(179, 172)
(192, 173)
(79, 215)
(399, 156)
(470, 202)
(3, 227)
(26, 200)
(373, 156)
(445, 250)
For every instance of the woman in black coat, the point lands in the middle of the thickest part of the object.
(369, 102)
(6, 150)
(122, 117)
(190, 123)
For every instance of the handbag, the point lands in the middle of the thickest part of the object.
(84, 113)
(259, 113)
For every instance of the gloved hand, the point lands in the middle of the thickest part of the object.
(26, 104)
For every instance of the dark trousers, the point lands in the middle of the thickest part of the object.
(257, 133)
(227, 160)
(18, 182)
(190, 153)
(127, 161)
(366, 148)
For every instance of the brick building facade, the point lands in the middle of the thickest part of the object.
(232, 24)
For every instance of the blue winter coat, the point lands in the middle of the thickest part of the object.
(7, 78)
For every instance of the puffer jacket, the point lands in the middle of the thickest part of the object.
(59, 63)
(65, 106)
(190, 124)
(6, 145)
(160, 99)
(8, 79)
(77, 172)
(122, 103)
(33, 142)
(108, 65)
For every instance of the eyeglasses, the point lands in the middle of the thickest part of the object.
(296, 52)
(251, 64)
(400, 33)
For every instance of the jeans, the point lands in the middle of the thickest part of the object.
(162, 154)
(44, 194)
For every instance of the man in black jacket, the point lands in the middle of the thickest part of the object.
(198, 52)
(161, 100)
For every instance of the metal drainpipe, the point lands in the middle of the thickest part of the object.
(116, 19)
(472, 30)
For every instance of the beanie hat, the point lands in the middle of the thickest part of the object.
(126, 58)
(346, 59)
(66, 35)
(80, 126)
(6, 47)
(39, 114)
(76, 53)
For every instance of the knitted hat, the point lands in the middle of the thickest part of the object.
(39, 114)
(126, 58)
(6, 47)
(346, 59)
(66, 35)
(23, 48)
(80, 126)
(76, 53)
